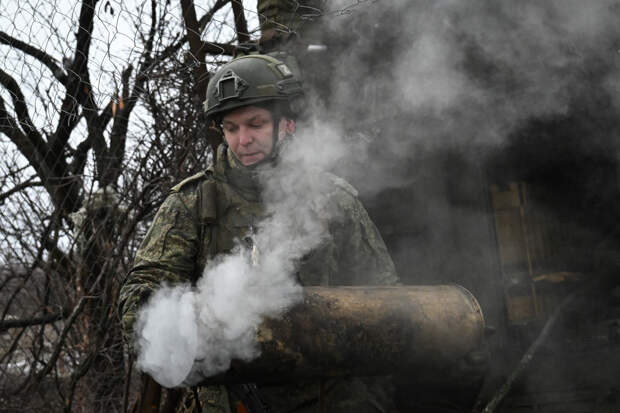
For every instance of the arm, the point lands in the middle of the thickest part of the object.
(167, 254)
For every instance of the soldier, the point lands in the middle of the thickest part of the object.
(255, 100)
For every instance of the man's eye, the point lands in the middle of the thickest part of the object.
(257, 124)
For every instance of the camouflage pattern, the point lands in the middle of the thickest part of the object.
(281, 18)
(177, 247)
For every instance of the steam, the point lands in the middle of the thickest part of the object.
(186, 333)
(434, 91)
(437, 76)
(462, 75)
(169, 336)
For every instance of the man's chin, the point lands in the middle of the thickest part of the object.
(248, 160)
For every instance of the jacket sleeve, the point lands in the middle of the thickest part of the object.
(167, 255)
(361, 252)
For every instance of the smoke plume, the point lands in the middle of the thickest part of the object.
(441, 99)
(424, 93)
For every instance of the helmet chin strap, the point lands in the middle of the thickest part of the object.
(275, 147)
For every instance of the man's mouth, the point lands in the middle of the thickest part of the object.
(249, 158)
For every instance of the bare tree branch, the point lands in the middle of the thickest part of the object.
(212, 48)
(95, 139)
(38, 54)
(77, 310)
(196, 46)
(71, 265)
(241, 24)
(10, 127)
(20, 187)
(78, 85)
(206, 19)
(34, 321)
(21, 110)
(52, 171)
(128, 102)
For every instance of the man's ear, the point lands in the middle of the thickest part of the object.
(287, 126)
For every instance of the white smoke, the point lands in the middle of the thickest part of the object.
(188, 333)
(471, 71)
(464, 74)
(168, 335)
(446, 92)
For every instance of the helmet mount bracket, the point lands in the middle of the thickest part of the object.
(230, 86)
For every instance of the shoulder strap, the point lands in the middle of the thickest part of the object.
(207, 217)
(197, 177)
(207, 197)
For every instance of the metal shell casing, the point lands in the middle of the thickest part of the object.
(428, 331)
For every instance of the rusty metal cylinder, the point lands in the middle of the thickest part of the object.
(361, 331)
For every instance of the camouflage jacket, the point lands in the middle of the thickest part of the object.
(182, 237)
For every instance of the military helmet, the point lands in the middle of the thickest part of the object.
(250, 80)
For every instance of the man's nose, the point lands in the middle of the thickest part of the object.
(246, 136)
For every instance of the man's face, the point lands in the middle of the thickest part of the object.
(249, 133)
